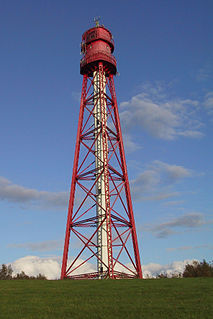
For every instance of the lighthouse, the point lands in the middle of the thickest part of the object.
(100, 227)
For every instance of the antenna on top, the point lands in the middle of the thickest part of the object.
(97, 21)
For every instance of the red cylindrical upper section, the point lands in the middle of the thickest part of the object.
(97, 45)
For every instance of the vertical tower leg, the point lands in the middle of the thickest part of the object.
(73, 183)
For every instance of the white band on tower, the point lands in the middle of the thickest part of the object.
(102, 263)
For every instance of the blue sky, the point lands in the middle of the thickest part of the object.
(164, 51)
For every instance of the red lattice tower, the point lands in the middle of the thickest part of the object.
(100, 224)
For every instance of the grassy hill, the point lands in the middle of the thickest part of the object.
(147, 299)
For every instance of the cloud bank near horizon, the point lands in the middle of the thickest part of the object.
(47, 266)
(51, 267)
(176, 267)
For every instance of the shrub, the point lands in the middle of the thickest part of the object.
(198, 269)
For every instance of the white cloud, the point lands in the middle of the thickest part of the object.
(205, 72)
(174, 203)
(76, 96)
(176, 267)
(172, 173)
(157, 195)
(156, 181)
(14, 193)
(208, 102)
(49, 245)
(182, 248)
(190, 133)
(48, 266)
(33, 265)
(186, 221)
(129, 144)
(161, 116)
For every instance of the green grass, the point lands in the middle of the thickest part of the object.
(162, 298)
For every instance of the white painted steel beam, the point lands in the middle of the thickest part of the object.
(102, 251)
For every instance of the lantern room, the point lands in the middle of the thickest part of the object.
(97, 45)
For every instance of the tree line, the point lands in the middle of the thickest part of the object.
(6, 273)
(196, 269)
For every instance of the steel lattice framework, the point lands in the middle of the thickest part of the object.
(100, 223)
